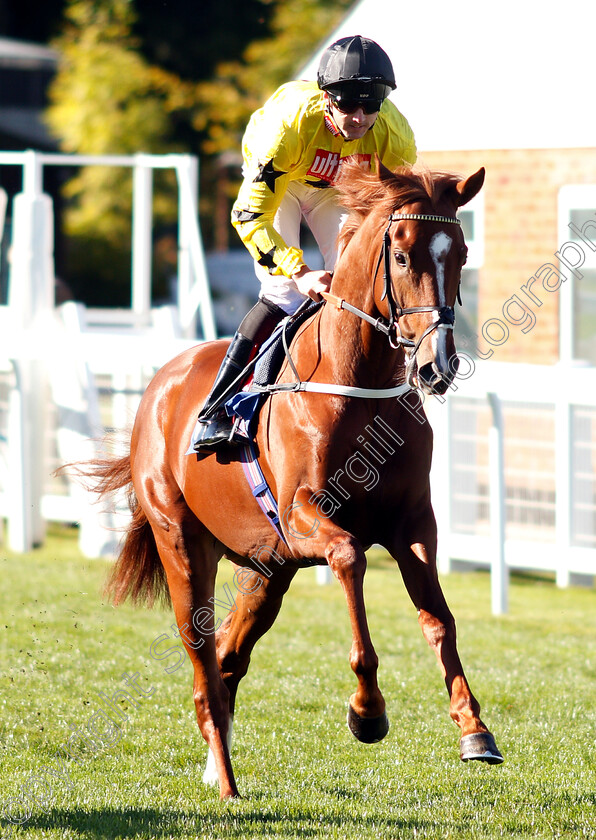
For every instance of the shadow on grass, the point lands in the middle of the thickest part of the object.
(225, 819)
(261, 817)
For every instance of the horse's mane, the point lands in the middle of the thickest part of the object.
(361, 192)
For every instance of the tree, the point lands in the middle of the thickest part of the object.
(107, 99)
(226, 101)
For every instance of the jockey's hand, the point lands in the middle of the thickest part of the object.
(312, 283)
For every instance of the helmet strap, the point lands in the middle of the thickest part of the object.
(330, 123)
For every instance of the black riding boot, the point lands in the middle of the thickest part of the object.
(257, 326)
(216, 425)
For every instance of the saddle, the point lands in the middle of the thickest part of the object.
(246, 405)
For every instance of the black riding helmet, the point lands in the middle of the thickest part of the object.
(356, 68)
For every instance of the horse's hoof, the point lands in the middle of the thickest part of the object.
(368, 730)
(480, 746)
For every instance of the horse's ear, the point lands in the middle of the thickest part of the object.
(467, 189)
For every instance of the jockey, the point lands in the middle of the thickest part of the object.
(293, 149)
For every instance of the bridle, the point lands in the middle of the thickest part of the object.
(446, 317)
(390, 326)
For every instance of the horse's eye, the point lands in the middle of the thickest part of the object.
(400, 258)
(464, 256)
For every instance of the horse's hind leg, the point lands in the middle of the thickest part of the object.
(415, 552)
(256, 607)
(190, 561)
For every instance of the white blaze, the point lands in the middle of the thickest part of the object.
(439, 247)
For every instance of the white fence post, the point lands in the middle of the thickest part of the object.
(142, 222)
(31, 301)
(324, 575)
(439, 416)
(191, 258)
(20, 500)
(499, 577)
(79, 426)
(3, 205)
(564, 488)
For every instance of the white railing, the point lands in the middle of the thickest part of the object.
(49, 366)
(514, 473)
(91, 384)
(514, 467)
(193, 296)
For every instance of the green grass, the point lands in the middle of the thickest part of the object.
(301, 773)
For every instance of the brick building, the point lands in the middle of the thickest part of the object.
(525, 211)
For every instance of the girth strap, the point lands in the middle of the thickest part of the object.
(259, 487)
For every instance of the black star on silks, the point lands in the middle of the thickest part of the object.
(320, 185)
(268, 174)
(266, 260)
(245, 215)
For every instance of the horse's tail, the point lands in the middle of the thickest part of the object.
(138, 572)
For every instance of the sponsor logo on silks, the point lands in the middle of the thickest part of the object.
(326, 165)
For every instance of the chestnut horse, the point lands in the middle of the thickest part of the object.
(349, 468)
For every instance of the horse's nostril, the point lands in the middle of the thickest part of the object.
(440, 387)
(435, 381)
(428, 372)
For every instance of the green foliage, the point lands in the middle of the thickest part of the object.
(106, 99)
(239, 87)
(102, 97)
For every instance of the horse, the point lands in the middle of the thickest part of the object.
(344, 446)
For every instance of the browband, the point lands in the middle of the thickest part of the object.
(395, 217)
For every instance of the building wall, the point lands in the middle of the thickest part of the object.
(521, 237)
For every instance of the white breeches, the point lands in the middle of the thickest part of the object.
(324, 217)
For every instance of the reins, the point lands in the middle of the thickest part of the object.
(387, 326)
(322, 387)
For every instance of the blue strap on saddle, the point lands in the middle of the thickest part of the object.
(246, 405)
(259, 487)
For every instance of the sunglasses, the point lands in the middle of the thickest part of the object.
(350, 106)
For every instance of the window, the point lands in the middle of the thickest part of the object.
(577, 260)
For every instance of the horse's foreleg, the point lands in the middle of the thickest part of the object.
(415, 552)
(255, 609)
(366, 715)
